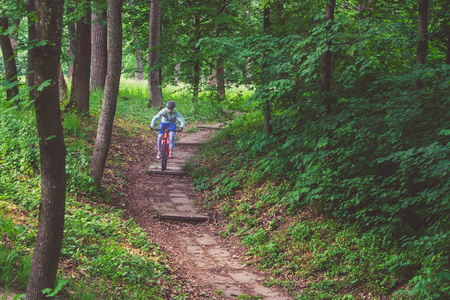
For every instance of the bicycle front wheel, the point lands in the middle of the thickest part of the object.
(163, 156)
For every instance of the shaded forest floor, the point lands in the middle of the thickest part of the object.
(209, 266)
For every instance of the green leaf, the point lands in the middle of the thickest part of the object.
(44, 85)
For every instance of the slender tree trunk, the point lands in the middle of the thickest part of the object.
(32, 35)
(99, 52)
(139, 55)
(196, 74)
(63, 91)
(196, 77)
(52, 152)
(220, 75)
(15, 38)
(106, 119)
(267, 106)
(447, 59)
(139, 64)
(154, 73)
(326, 63)
(9, 60)
(71, 45)
(82, 63)
(422, 47)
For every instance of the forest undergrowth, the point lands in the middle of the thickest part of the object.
(334, 211)
(105, 254)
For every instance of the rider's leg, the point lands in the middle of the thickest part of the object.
(171, 142)
(158, 145)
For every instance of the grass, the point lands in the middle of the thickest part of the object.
(314, 256)
(103, 255)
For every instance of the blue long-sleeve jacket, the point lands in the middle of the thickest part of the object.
(168, 118)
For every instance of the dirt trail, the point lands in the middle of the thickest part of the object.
(211, 264)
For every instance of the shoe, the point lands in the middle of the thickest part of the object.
(158, 156)
(171, 154)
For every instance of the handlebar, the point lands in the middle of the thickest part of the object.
(167, 129)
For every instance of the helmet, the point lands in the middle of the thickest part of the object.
(170, 105)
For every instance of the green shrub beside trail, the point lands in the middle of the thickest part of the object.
(103, 256)
(336, 202)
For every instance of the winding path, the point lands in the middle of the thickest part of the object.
(166, 206)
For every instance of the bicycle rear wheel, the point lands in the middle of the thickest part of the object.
(163, 156)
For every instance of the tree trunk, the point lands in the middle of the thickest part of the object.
(139, 60)
(220, 75)
(99, 52)
(154, 73)
(266, 107)
(82, 63)
(196, 75)
(52, 152)
(9, 61)
(32, 35)
(422, 48)
(326, 63)
(63, 91)
(139, 64)
(111, 92)
(71, 45)
(15, 38)
(447, 59)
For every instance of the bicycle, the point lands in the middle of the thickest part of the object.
(164, 144)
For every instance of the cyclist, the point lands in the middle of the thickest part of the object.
(170, 116)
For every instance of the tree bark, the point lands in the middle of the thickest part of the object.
(220, 75)
(32, 35)
(447, 59)
(82, 64)
(63, 91)
(52, 152)
(267, 110)
(422, 48)
(196, 74)
(99, 51)
(71, 45)
(326, 62)
(15, 38)
(9, 61)
(154, 74)
(111, 92)
(139, 60)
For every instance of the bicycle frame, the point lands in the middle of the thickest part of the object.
(164, 147)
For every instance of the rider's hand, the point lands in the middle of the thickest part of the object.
(152, 128)
(181, 129)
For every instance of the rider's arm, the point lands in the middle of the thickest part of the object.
(156, 117)
(180, 118)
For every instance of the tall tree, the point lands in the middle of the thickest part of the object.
(446, 10)
(422, 47)
(99, 49)
(52, 151)
(265, 78)
(196, 70)
(106, 119)
(32, 35)
(154, 72)
(71, 38)
(326, 62)
(9, 59)
(139, 59)
(220, 77)
(82, 64)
